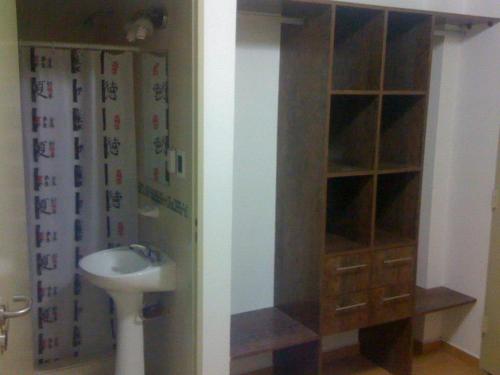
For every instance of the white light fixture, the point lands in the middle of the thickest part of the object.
(140, 29)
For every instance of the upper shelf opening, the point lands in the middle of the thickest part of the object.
(358, 39)
(408, 46)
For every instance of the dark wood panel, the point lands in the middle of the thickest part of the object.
(265, 330)
(347, 274)
(345, 313)
(389, 346)
(302, 142)
(438, 299)
(298, 360)
(391, 303)
(393, 267)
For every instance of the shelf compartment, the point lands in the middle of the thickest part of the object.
(349, 212)
(353, 126)
(408, 51)
(397, 209)
(266, 330)
(358, 45)
(401, 132)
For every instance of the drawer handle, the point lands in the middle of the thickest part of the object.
(351, 307)
(352, 268)
(400, 260)
(395, 298)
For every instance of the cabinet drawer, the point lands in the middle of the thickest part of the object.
(393, 267)
(347, 273)
(346, 312)
(391, 303)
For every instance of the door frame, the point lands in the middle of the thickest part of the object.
(14, 276)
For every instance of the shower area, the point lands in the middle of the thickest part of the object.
(107, 112)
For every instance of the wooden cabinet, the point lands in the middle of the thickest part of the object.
(354, 84)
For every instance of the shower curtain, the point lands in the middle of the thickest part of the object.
(80, 164)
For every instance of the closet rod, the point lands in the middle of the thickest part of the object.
(446, 29)
(282, 19)
(27, 43)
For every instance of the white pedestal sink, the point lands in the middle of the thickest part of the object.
(126, 273)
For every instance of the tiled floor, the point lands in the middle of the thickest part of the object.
(440, 362)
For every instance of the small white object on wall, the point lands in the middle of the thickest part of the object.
(152, 212)
(171, 161)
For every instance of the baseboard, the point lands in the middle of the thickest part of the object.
(426, 347)
(459, 353)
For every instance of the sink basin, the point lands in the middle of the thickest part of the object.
(126, 273)
(122, 269)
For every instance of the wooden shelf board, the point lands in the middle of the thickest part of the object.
(336, 244)
(438, 299)
(266, 330)
(385, 239)
(388, 168)
(336, 169)
(355, 92)
(405, 92)
(267, 371)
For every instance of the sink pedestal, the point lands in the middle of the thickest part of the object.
(130, 335)
(126, 273)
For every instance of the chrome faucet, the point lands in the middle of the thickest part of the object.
(153, 255)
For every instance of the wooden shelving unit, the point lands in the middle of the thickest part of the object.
(353, 101)
(354, 84)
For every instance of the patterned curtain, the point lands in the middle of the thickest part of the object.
(154, 116)
(80, 162)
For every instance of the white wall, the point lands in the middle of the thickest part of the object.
(438, 160)
(257, 84)
(472, 181)
(489, 8)
(216, 65)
